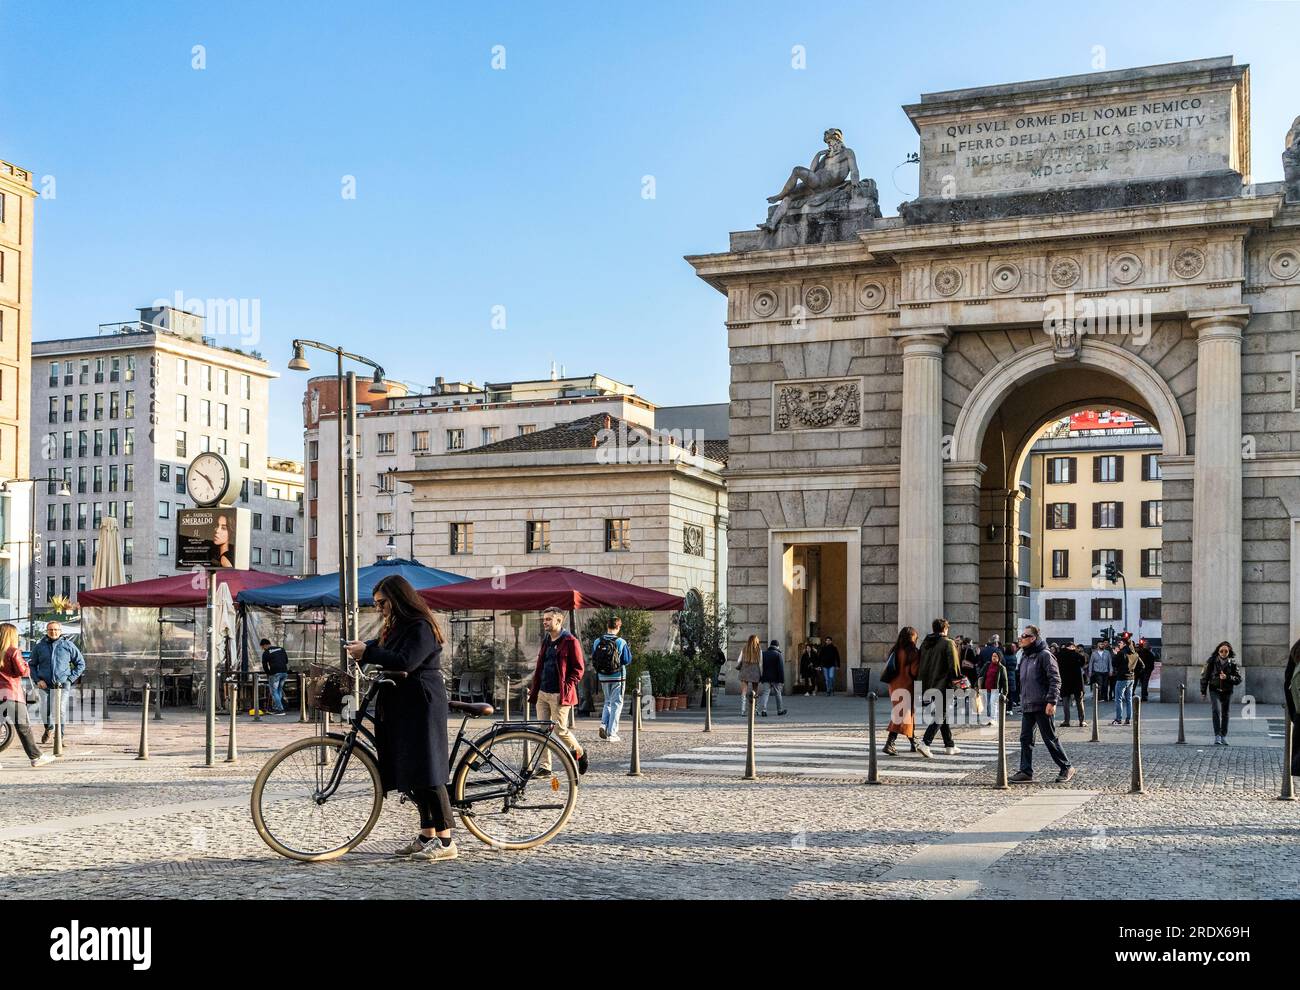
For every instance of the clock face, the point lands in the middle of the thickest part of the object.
(207, 479)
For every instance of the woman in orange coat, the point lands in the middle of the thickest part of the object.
(907, 660)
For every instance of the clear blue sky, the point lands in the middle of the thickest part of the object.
(519, 188)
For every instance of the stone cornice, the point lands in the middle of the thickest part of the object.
(886, 476)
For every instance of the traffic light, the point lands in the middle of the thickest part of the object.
(1112, 571)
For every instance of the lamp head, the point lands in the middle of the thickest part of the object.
(299, 360)
(377, 384)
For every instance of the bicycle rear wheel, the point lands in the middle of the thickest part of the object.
(291, 816)
(500, 797)
(6, 734)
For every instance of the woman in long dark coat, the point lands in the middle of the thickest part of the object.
(411, 715)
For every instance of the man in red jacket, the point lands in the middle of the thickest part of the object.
(555, 684)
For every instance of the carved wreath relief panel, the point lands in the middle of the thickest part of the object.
(830, 404)
(693, 540)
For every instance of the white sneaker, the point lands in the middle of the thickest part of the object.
(614, 738)
(411, 848)
(951, 750)
(43, 759)
(924, 750)
(435, 851)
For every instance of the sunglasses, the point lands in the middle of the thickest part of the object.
(380, 602)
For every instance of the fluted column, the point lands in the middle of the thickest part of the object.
(1216, 484)
(920, 501)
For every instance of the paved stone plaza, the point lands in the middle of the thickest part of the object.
(100, 824)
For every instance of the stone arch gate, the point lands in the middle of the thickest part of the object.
(886, 380)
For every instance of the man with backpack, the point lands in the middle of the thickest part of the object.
(610, 656)
(275, 664)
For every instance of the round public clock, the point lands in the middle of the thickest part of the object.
(208, 480)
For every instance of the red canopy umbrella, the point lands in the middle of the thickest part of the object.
(178, 591)
(546, 587)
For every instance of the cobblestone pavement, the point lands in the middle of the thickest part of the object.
(101, 824)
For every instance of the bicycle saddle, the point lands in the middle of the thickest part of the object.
(476, 709)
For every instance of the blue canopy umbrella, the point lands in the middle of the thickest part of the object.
(322, 590)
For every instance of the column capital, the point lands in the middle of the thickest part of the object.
(1225, 322)
(922, 339)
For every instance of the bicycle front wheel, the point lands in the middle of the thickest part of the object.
(501, 796)
(293, 815)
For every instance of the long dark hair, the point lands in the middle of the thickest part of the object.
(904, 647)
(404, 607)
(1231, 654)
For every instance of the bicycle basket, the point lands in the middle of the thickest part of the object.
(327, 687)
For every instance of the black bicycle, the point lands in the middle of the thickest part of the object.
(513, 787)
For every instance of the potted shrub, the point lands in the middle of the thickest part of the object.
(663, 669)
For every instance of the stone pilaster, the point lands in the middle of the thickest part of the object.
(1216, 481)
(920, 510)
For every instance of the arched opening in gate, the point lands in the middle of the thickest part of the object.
(1051, 511)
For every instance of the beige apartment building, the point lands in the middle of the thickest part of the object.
(17, 199)
(1096, 500)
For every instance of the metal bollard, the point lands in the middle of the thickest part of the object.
(1136, 787)
(1182, 703)
(750, 770)
(257, 698)
(1096, 693)
(873, 771)
(157, 705)
(232, 753)
(103, 705)
(507, 697)
(1288, 748)
(58, 720)
(302, 698)
(143, 753)
(708, 705)
(1001, 783)
(635, 769)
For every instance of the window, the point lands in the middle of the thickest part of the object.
(182, 371)
(51, 514)
(83, 516)
(83, 373)
(1149, 609)
(385, 522)
(98, 484)
(114, 405)
(275, 558)
(164, 547)
(49, 588)
(288, 524)
(243, 455)
(67, 553)
(83, 441)
(81, 481)
(1060, 563)
(115, 372)
(1152, 562)
(97, 515)
(83, 407)
(257, 520)
(182, 407)
(128, 477)
(224, 377)
(205, 443)
(1061, 470)
(54, 408)
(420, 441)
(243, 491)
(54, 374)
(112, 443)
(1153, 513)
(205, 376)
(99, 405)
(222, 447)
(112, 477)
(1151, 472)
(223, 413)
(164, 510)
(618, 535)
(67, 444)
(1100, 558)
(1104, 609)
(1107, 515)
(257, 555)
(539, 536)
(1059, 609)
(180, 483)
(313, 450)
(491, 434)
(288, 558)
(66, 516)
(128, 514)
(244, 421)
(388, 443)
(245, 387)
(67, 409)
(164, 472)
(81, 553)
(385, 482)
(130, 404)
(130, 369)
(205, 412)
(51, 553)
(257, 488)
(527, 428)
(180, 444)
(1108, 467)
(1061, 515)
(455, 439)
(99, 371)
(275, 524)
(462, 537)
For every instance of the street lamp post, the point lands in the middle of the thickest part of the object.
(63, 492)
(347, 494)
(392, 544)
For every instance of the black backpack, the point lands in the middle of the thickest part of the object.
(605, 657)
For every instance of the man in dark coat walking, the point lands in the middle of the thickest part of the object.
(1071, 662)
(1040, 690)
(829, 659)
(555, 684)
(940, 671)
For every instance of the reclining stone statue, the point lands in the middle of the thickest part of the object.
(832, 177)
